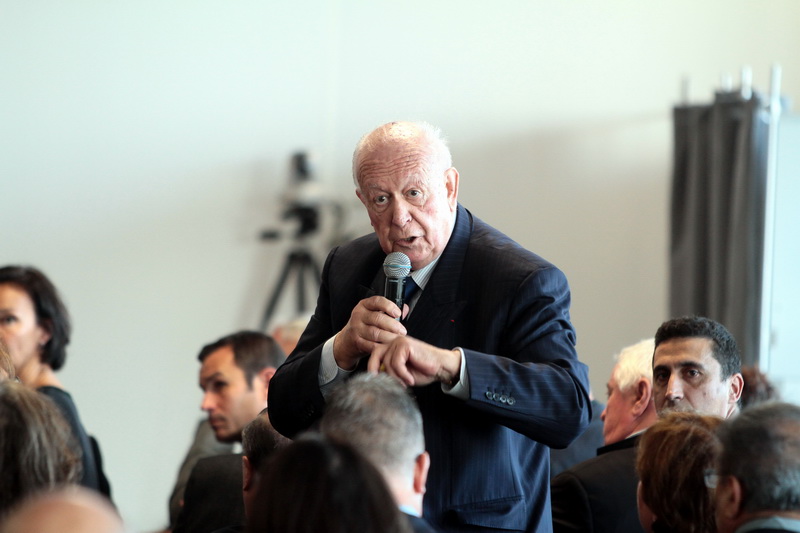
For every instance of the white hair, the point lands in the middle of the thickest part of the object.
(412, 133)
(633, 363)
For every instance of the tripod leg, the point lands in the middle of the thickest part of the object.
(276, 294)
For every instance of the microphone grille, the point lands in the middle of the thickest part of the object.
(397, 265)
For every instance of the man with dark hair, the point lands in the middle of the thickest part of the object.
(696, 367)
(376, 415)
(235, 375)
(758, 477)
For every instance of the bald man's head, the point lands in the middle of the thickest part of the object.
(69, 510)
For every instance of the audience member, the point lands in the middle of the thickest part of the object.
(757, 388)
(599, 494)
(38, 449)
(696, 367)
(66, 510)
(204, 444)
(484, 339)
(235, 376)
(288, 333)
(259, 441)
(630, 408)
(758, 474)
(376, 415)
(584, 447)
(35, 326)
(672, 460)
(315, 484)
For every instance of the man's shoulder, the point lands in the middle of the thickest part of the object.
(218, 463)
(614, 462)
(489, 243)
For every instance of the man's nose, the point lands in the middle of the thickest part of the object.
(674, 388)
(400, 213)
(208, 402)
(603, 414)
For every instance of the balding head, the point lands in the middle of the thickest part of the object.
(69, 510)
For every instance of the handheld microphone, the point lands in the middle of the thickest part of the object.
(397, 267)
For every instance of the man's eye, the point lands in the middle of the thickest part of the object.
(692, 373)
(381, 200)
(8, 320)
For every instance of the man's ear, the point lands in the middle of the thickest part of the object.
(728, 498)
(247, 473)
(451, 183)
(421, 465)
(736, 388)
(644, 395)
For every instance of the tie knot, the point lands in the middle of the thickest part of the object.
(409, 289)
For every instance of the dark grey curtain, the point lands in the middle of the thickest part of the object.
(717, 214)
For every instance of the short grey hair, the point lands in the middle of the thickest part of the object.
(377, 416)
(633, 363)
(421, 134)
(761, 448)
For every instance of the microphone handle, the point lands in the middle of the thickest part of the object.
(393, 290)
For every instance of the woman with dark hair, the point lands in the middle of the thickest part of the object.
(39, 451)
(35, 327)
(674, 458)
(315, 484)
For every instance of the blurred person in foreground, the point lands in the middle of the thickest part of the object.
(485, 342)
(672, 461)
(758, 475)
(38, 449)
(315, 484)
(65, 510)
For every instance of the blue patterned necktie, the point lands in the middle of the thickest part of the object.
(409, 289)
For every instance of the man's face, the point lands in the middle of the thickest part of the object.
(686, 377)
(228, 399)
(410, 210)
(617, 417)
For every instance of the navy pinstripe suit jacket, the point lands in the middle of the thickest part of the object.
(508, 309)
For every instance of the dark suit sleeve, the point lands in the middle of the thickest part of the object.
(534, 383)
(295, 399)
(570, 505)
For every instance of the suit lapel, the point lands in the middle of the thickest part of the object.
(438, 310)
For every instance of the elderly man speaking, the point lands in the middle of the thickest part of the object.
(485, 341)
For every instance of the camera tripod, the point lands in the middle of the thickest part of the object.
(300, 262)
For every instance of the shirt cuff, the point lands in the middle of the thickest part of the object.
(461, 389)
(329, 372)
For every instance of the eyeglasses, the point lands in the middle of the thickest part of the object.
(711, 478)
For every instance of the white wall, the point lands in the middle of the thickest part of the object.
(143, 146)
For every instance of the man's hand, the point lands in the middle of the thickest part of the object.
(415, 363)
(372, 323)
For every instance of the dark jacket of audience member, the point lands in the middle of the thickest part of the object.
(38, 450)
(672, 460)
(315, 485)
